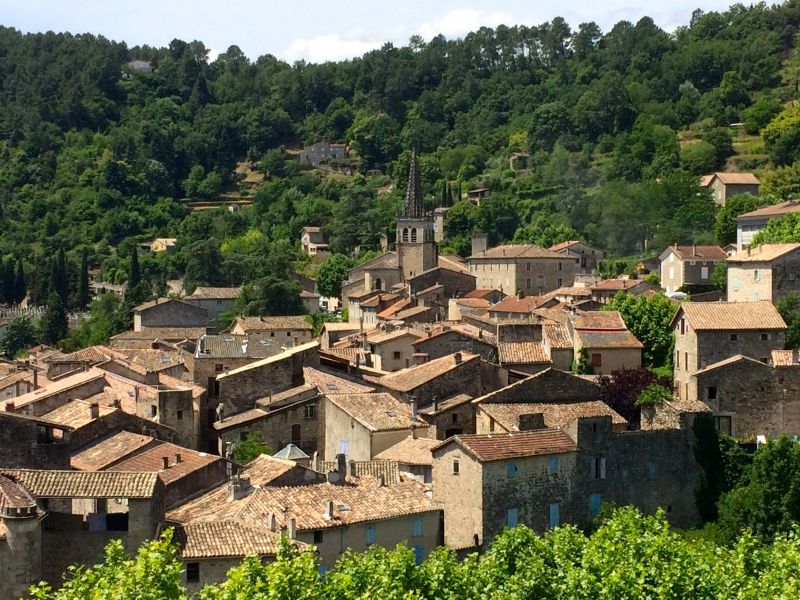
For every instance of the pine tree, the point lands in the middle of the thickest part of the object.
(54, 320)
(59, 280)
(83, 281)
(20, 289)
(134, 272)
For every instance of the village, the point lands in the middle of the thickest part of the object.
(460, 397)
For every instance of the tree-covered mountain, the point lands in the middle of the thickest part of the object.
(616, 125)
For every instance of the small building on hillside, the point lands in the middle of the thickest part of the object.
(321, 152)
(216, 300)
(527, 267)
(168, 312)
(288, 331)
(689, 265)
(724, 186)
(609, 343)
(767, 272)
(749, 224)
(313, 241)
(587, 256)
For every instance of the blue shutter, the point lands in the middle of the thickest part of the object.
(418, 554)
(370, 534)
(511, 517)
(512, 470)
(554, 464)
(416, 527)
(594, 504)
(555, 519)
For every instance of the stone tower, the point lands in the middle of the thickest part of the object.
(416, 246)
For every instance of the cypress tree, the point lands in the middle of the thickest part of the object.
(59, 281)
(6, 281)
(134, 272)
(54, 320)
(443, 199)
(20, 289)
(83, 281)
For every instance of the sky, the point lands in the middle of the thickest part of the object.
(318, 31)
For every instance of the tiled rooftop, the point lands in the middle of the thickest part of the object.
(775, 210)
(151, 460)
(694, 252)
(214, 293)
(517, 251)
(411, 378)
(105, 451)
(329, 383)
(377, 411)
(76, 413)
(733, 316)
(411, 451)
(85, 484)
(522, 353)
(608, 339)
(608, 320)
(557, 335)
(226, 539)
(765, 253)
(557, 415)
(293, 323)
(505, 446)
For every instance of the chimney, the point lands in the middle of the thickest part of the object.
(178, 458)
(329, 509)
(166, 462)
(457, 358)
(480, 242)
(292, 528)
(239, 487)
(272, 522)
(435, 404)
(316, 463)
(694, 249)
(10, 406)
(341, 466)
(351, 469)
(381, 481)
(94, 410)
(35, 379)
(531, 421)
(413, 409)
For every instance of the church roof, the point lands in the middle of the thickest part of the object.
(412, 206)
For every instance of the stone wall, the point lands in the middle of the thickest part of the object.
(20, 556)
(116, 421)
(170, 313)
(339, 427)
(455, 284)
(549, 386)
(22, 448)
(53, 401)
(753, 281)
(533, 276)
(459, 494)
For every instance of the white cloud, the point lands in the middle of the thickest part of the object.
(212, 55)
(459, 22)
(332, 47)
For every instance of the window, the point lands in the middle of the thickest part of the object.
(686, 361)
(455, 417)
(527, 266)
(416, 527)
(511, 469)
(456, 467)
(756, 275)
(764, 337)
(735, 283)
(179, 415)
(540, 281)
(219, 302)
(703, 272)
(310, 411)
(599, 467)
(344, 447)
(711, 392)
(192, 572)
(491, 425)
(724, 424)
(370, 534)
(243, 435)
(594, 504)
(554, 464)
(560, 282)
(396, 355)
(555, 517)
(218, 368)
(651, 471)
(734, 337)
(597, 360)
(317, 537)
(153, 411)
(683, 326)
(413, 235)
(419, 554)
(271, 334)
(288, 334)
(560, 266)
(512, 517)
(792, 275)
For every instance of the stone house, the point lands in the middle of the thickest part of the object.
(450, 416)
(287, 331)
(546, 477)
(216, 300)
(767, 272)
(16, 384)
(332, 513)
(413, 457)
(587, 256)
(361, 426)
(519, 306)
(689, 265)
(391, 350)
(33, 442)
(608, 341)
(527, 267)
(321, 152)
(313, 241)
(459, 338)
(159, 245)
(604, 290)
(168, 312)
(374, 305)
(749, 224)
(709, 332)
(724, 186)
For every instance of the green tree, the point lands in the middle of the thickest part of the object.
(653, 395)
(54, 320)
(270, 296)
(782, 136)
(20, 288)
(83, 296)
(648, 318)
(725, 224)
(18, 335)
(332, 273)
(581, 365)
(720, 276)
(789, 308)
(783, 230)
(760, 114)
(249, 448)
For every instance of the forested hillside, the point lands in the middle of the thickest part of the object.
(95, 157)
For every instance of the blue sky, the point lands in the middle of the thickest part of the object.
(318, 30)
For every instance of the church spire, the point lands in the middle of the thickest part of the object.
(412, 206)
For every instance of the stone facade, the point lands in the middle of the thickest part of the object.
(534, 275)
(751, 279)
(394, 353)
(27, 443)
(689, 265)
(163, 312)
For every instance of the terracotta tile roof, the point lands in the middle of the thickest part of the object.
(353, 355)
(162, 333)
(733, 178)
(76, 413)
(522, 353)
(517, 251)
(85, 484)
(446, 404)
(765, 253)
(706, 179)
(248, 416)
(375, 469)
(411, 451)
(162, 301)
(377, 411)
(557, 415)
(379, 299)
(618, 284)
(92, 354)
(271, 359)
(384, 261)
(599, 320)
(297, 323)
(354, 327)
(570, 291)
(732, 361)
(153, 360)
(394, 309)
(214, 293)
(225, 539)
(464, 330)
(730, 316)
(481, 293)
(504, 446)
(378, 336)
(518, 305)
(694, 252)
(473, 302)
(328, 383)
(152, 461)
(557, 335)
(287, 397)
(412, 312)
(228, 345)
(411, 378)
(14, 496)
(267, 470)
(785, 358)
(99, 454)
(774, 210)
(57, 387)
(564, 245)
(452, 263)
(608, 339)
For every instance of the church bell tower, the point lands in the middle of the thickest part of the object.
(416, 247)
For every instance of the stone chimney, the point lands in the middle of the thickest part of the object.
(457, 357)
(178, 458)
(351, 469)
(520, 294)
(480, 243)
(531, 421)
(292, 529)
(94, 410)
(35, 379)
(165, 459)
(329, 509)
(239, 487)
(341, 466)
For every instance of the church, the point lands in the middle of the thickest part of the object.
(414, 270)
